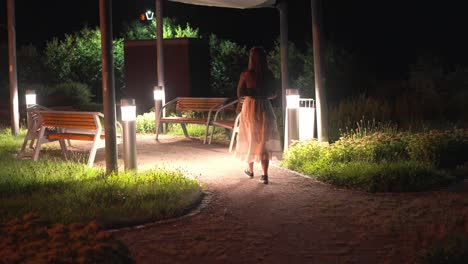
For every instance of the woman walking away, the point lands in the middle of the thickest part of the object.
(258, 138)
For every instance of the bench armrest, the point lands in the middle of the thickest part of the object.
(216, 107)
(221, 109)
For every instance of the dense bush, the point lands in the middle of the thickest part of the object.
(444, 149)
(147, 30)
(77, 58)
(145, 123)
(67, 93)
(385, 161)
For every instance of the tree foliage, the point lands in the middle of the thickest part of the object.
(228, 60)
(147, 30)
(300, 68)
(77, 58)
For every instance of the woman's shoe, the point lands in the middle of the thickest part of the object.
(264, 179)
(248, 173)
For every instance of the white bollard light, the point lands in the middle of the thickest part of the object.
(128, 111)
(292, 117)
(30, 98)
(158, 95)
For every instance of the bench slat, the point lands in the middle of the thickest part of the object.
(175, 119)
(73, 136)
(86, 126)
(69, 120)
(224, 123)
(69, 125)
(196, 104)
(69, 117)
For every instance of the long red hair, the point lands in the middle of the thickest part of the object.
(258, 66)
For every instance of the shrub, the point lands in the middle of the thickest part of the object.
(66, 93)
(171, 29)
(445, 149)
(302, 153)
(384, 161)
(374, 147)
(33, 240)
(145, 123)
(77, 58)
(380, 177)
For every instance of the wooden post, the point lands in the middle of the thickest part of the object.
(283, 11)
(14, 105)
(320, 92)
(108, 84)
(160, 49)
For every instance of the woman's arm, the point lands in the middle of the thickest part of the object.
(273, 87)
(241, 86)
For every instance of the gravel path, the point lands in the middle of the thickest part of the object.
(294, 219)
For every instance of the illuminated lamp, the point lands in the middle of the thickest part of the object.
(291, 127)
(149, 15)
(128, 110)
(30, 98)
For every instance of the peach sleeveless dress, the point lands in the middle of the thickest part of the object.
(258, 137)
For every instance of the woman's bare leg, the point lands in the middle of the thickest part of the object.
(264, 178)
(265, 164)
(251, 164)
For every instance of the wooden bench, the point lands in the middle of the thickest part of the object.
(33, 127)
(192, 104)
(70, 125)
(227, 122)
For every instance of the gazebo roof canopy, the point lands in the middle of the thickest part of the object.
(242, 4)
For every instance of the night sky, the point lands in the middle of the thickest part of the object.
(388, 34)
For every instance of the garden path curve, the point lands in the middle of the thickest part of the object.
(294, 219)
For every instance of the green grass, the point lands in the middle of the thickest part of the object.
(66, 192)
(387, 161)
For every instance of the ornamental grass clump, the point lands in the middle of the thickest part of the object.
(444, 149)
(387, 161)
